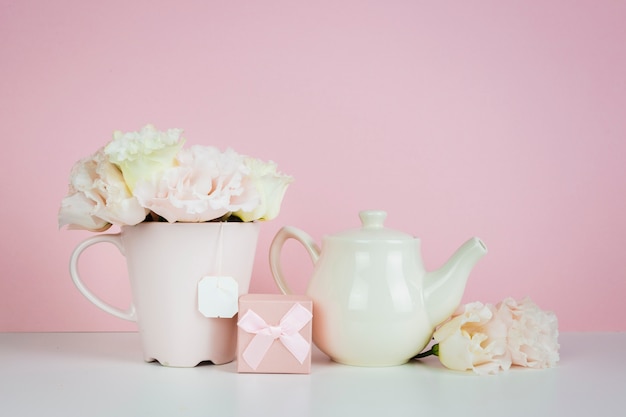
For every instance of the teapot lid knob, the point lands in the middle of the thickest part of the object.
(373, 219)
(372, 230)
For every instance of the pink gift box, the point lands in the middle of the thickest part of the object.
(274, 334)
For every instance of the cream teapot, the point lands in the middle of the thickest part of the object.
(373, 302)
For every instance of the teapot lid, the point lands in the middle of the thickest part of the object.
(372, 229)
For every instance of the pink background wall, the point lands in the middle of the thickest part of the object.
(505, 120)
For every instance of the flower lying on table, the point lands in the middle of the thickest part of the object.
(488, 338)
(149, 176)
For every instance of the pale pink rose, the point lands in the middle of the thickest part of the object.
(532, 333)
(98, 197)
(474, 339)
(271, 186)
(204, 184)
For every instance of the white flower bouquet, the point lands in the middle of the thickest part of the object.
(149, 176)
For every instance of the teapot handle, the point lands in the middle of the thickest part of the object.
(276, 247)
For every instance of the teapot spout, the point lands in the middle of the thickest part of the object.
(443, 288)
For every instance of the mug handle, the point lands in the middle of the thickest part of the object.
(116, 240)
(281, 237)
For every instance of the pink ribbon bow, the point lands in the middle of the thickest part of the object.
(288, 331)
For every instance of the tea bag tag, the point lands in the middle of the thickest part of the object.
(218, 296)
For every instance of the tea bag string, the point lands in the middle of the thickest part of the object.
(220, 246)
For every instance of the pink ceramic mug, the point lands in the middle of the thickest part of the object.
(166, 262)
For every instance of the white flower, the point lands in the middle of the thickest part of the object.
(474, 339)
(488, 338)
(205, 184)
(140, 155)
(271, 186)
(98, 197)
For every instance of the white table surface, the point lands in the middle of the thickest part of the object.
(103, 374)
